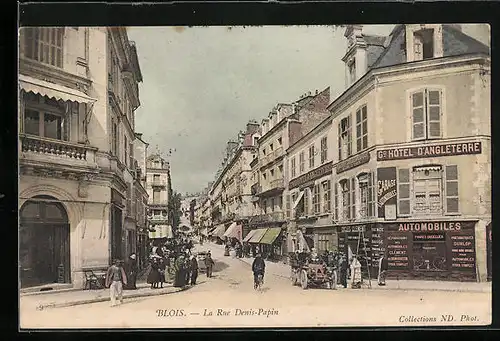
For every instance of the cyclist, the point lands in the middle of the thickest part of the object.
(258, 268)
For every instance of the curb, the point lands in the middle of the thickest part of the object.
(104, 299)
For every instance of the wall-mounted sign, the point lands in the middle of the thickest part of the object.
(312, 175)
(386, 189)
(448, 149)
(431, 226)
(353, 162)
(353, 228)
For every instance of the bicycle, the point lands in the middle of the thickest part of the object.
(258, 284)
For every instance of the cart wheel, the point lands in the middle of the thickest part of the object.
(303, 279)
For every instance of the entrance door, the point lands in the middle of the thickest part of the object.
(44, 242)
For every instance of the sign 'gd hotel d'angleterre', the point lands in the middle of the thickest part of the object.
(449, 149)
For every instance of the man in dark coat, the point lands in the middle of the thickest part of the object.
(180, 272)
(344, 266)
(194, 269)
(258, 268)
(209, 263)
(382, 270)
(131, 272)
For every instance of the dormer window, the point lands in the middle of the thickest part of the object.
(424, 44)
(352, 71)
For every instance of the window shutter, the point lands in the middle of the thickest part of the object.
(349, 136)
(288, 205)
(340, 141)
(353, 198)
(433, 99)
(451, 175)
(404, 191)
(371, 207)
(418, 115)
(336, 202)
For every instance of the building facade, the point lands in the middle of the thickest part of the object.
(159, 190)
(411, 173)
(74, 158)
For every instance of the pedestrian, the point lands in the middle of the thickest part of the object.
(209, 263)
(161, 269)
(382, 270)
(154, 273)
(194, 270)
(115, 278)
(180, 274)
(187, 266)
(131, 272)
(343, 271)
(356, 273)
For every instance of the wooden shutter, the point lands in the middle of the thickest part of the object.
(340, 140)
(451, 175)
(433, 100)
(335, 201)
(418, 115)
(288, 206)
(353, 198)
(349, 136)
(403, 191)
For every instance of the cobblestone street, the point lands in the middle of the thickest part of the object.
(229, 300)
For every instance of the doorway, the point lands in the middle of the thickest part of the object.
(44, 255)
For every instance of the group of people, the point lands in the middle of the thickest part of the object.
(339, 263)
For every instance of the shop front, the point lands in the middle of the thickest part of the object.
(437, 250)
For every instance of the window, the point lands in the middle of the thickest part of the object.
(44, 44)
(345, 147)
(336, 203)
(43, 117)
(424, 44)
(426, 114)
(346, 202)
(311, 157)
(451, 174)
(316, 200)
(131, 155)
(114, 138)
(264, 151)
(288, 205)
(403, 192)
(361, 129)
(324, 243)
(371, 195)
(272, 173)
(255, 141)
(353, 198)
(156, 178)
(352, 71)
(427, 191)
(324, 150)
(156, 196)
(264, 175)
(363, 196)
(326, 196)
(125, 149)
(301, 162)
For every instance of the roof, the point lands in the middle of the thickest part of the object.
(455, 42)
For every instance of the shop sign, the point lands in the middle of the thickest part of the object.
(354, 228)
(312, 175)
(448, 149)
(431, 226)
(353, 162)
(386, 189)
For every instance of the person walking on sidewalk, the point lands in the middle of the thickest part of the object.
(194, 269)
(344, 266)
(209, 263)
(382, 270)
(115, 278)
(131, 271)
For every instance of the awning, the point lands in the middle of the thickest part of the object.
(259, 233)
(219, 231)
(204, 232)
(161, 231)
(234, 231)
(249, 235)
(301, 194)
(211, 230)
(427, 168)
(270, 236)
(52, 90)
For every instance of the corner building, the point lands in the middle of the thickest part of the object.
(411, 161)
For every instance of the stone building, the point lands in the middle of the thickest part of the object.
(411, 171)
(78, 94)
(159, 189)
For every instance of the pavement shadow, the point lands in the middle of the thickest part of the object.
(219, 266)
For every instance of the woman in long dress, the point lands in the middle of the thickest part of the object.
(154, 273)
(356, 273)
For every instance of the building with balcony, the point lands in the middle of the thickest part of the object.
(77, 97)
(284, 126)
(230, 194)
(411, 163)
(141, 199)
(159, 189)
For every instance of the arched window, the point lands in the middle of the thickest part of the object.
(45, 209)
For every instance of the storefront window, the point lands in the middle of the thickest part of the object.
(429, 252)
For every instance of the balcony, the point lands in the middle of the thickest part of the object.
(61, 156)
(159, 183)
(278, 183)
(274, 187)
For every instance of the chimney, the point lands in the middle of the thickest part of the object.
(252, 127)
(355, 58)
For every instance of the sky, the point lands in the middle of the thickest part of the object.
(201, 85)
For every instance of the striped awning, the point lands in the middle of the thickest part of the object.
(219, 231)
(161, 231)
(249, 235)
(259, 233)
(234, 231)
(427, 168)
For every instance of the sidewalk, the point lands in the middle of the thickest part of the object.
(283, 270)
(78, 297)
